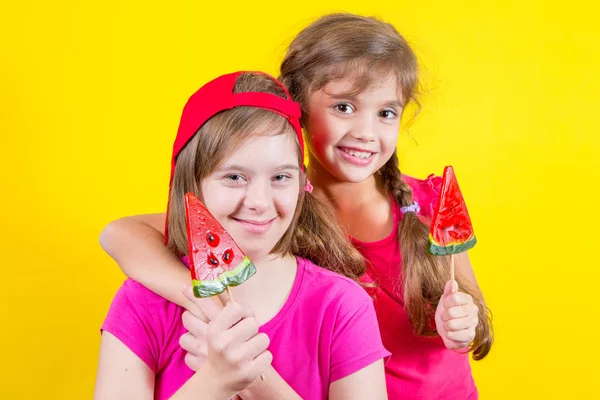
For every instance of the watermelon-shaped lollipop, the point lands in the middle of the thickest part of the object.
(216, 261)
(451, 230)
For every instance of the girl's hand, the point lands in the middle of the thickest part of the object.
(194, 342)
(195, 321)
(456, 317)
(236, 353)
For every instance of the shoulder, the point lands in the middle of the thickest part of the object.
(426, 192)
(137, 310)
(135, 296)
(143, 321)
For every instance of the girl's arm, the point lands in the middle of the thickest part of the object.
(121, 374)
(367, 383)
(136, 244)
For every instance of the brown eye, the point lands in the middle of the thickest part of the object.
(344, 108)
(388, 114)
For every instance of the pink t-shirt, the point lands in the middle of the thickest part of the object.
(420, 368)
(327, 329)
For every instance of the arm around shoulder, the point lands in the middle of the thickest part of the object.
(136, 244)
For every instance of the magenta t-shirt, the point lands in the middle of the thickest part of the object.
(420, 368)
(326, 330)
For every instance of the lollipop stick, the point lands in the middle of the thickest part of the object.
(452, 268)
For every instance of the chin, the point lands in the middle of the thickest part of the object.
(257, 256)
(256, 253)
(353, 176)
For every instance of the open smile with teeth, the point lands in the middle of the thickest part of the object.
(356, 153)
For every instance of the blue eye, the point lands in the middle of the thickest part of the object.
(281, 178)
(234, 178)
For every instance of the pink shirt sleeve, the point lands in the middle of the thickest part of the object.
(356, 343)
(130, 320)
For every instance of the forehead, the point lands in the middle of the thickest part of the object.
(355, 86)
(265, 151)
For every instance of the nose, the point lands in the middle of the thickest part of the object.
(258, 197)
(364, 128)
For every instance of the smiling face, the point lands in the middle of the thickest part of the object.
(253, 193)
(352, 135)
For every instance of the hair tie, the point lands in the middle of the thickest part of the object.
(412, 208)
(308, 186)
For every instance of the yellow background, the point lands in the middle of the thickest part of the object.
(90, 96)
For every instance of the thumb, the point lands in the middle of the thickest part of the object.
(451, 287)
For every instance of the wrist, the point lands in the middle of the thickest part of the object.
(273, 387)
(258, 390)
(213, 385)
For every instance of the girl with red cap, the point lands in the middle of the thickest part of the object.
(239, 148)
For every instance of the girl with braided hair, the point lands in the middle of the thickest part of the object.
(353, 77)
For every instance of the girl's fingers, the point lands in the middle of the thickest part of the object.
(262, 362)
(460, 312)
(244, 330)
(256, 345)
(230, 315)
(457, 299)
(193, 362)
(238, 353)
(459, 324)
(194, 325)
(463, 337)
(193, 345)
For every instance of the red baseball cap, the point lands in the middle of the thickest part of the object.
(216, 96)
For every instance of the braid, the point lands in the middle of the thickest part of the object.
(392, 179)
(418, 269)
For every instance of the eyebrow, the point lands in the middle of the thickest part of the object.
(235, 167)
(349, 96)
(396, 103)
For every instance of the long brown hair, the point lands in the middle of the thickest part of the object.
(313, 233)
(367, 49)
